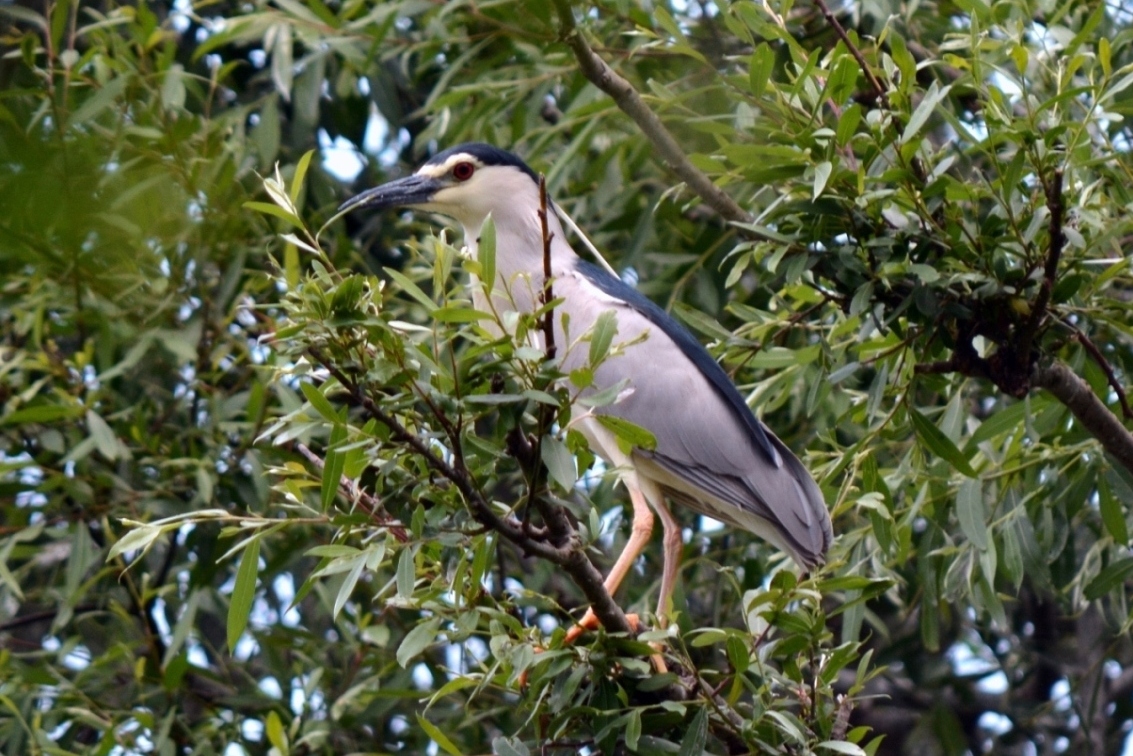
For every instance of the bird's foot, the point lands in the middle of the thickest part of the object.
(590, 621)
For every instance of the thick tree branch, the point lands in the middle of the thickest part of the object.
(568, 556)
(630, 102)
(1099, 358)
(1080, 399)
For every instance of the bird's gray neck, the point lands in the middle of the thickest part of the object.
(519, 255)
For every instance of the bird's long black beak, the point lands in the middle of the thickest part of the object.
(411, 190)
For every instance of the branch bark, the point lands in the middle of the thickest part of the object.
(630, 102)
(1080, 399)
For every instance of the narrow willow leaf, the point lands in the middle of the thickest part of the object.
(822, 173)
(760, 65)
(300, 174)
(240, 606)
(276, 735)
(319, 401)
(417, 640)
(332, 468)
(932, 98)
(1113, 514)
(602, 336)
(411, 289)
(1109, 578)
(141, 537)
(347, 587)
(406, 574)
(104, 439)
(486, 252)
(438, 737)
(696, 737)
(972, 514)
(633, 729)
(559, 461)
(628, 434)
(938, 443)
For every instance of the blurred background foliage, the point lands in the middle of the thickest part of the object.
(936, 208)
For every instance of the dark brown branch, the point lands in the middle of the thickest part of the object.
(863, 64)
(568, 556)
(1111, 377)
(369, 503)
(1080, 399)
(548, 291)
(1054, 204)
(630, 102)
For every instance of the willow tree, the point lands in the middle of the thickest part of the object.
(274, 485)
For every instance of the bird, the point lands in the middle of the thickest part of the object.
(711, 455)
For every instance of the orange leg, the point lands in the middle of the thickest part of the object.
(672, 559)
(640, 530)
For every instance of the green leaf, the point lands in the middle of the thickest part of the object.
(559, 461)
(842, 746)
(319, 401)
(602, 336)
(1109, 578)
(502, 746)
(633, 729)
(486, 252)
(417, 640)
(932, 98)
(240, 605)
(332, 467)
(412, 289)
(760, 66)
(459, 315)
(971, 512)
(1113, 514)
(781, 357)
(141, 537)
(698, 321)
(406, 573)
(357, 564)
(104, 439)
(43, 413)
(437, 736)
(696, 737)
(822, 173)
(938, 443)
(300, 174)
(275, 732)
(629, 435)
(276, 210)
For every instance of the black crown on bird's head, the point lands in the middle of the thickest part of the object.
(487, 154)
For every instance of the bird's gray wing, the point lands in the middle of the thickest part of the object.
(722, 460)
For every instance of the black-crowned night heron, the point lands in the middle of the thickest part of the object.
(712, 454)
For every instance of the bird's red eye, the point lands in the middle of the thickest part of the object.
(463, 171)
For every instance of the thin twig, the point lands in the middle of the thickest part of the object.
(368, 502)
(595, 69)
(863, 64)
(548, 291)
